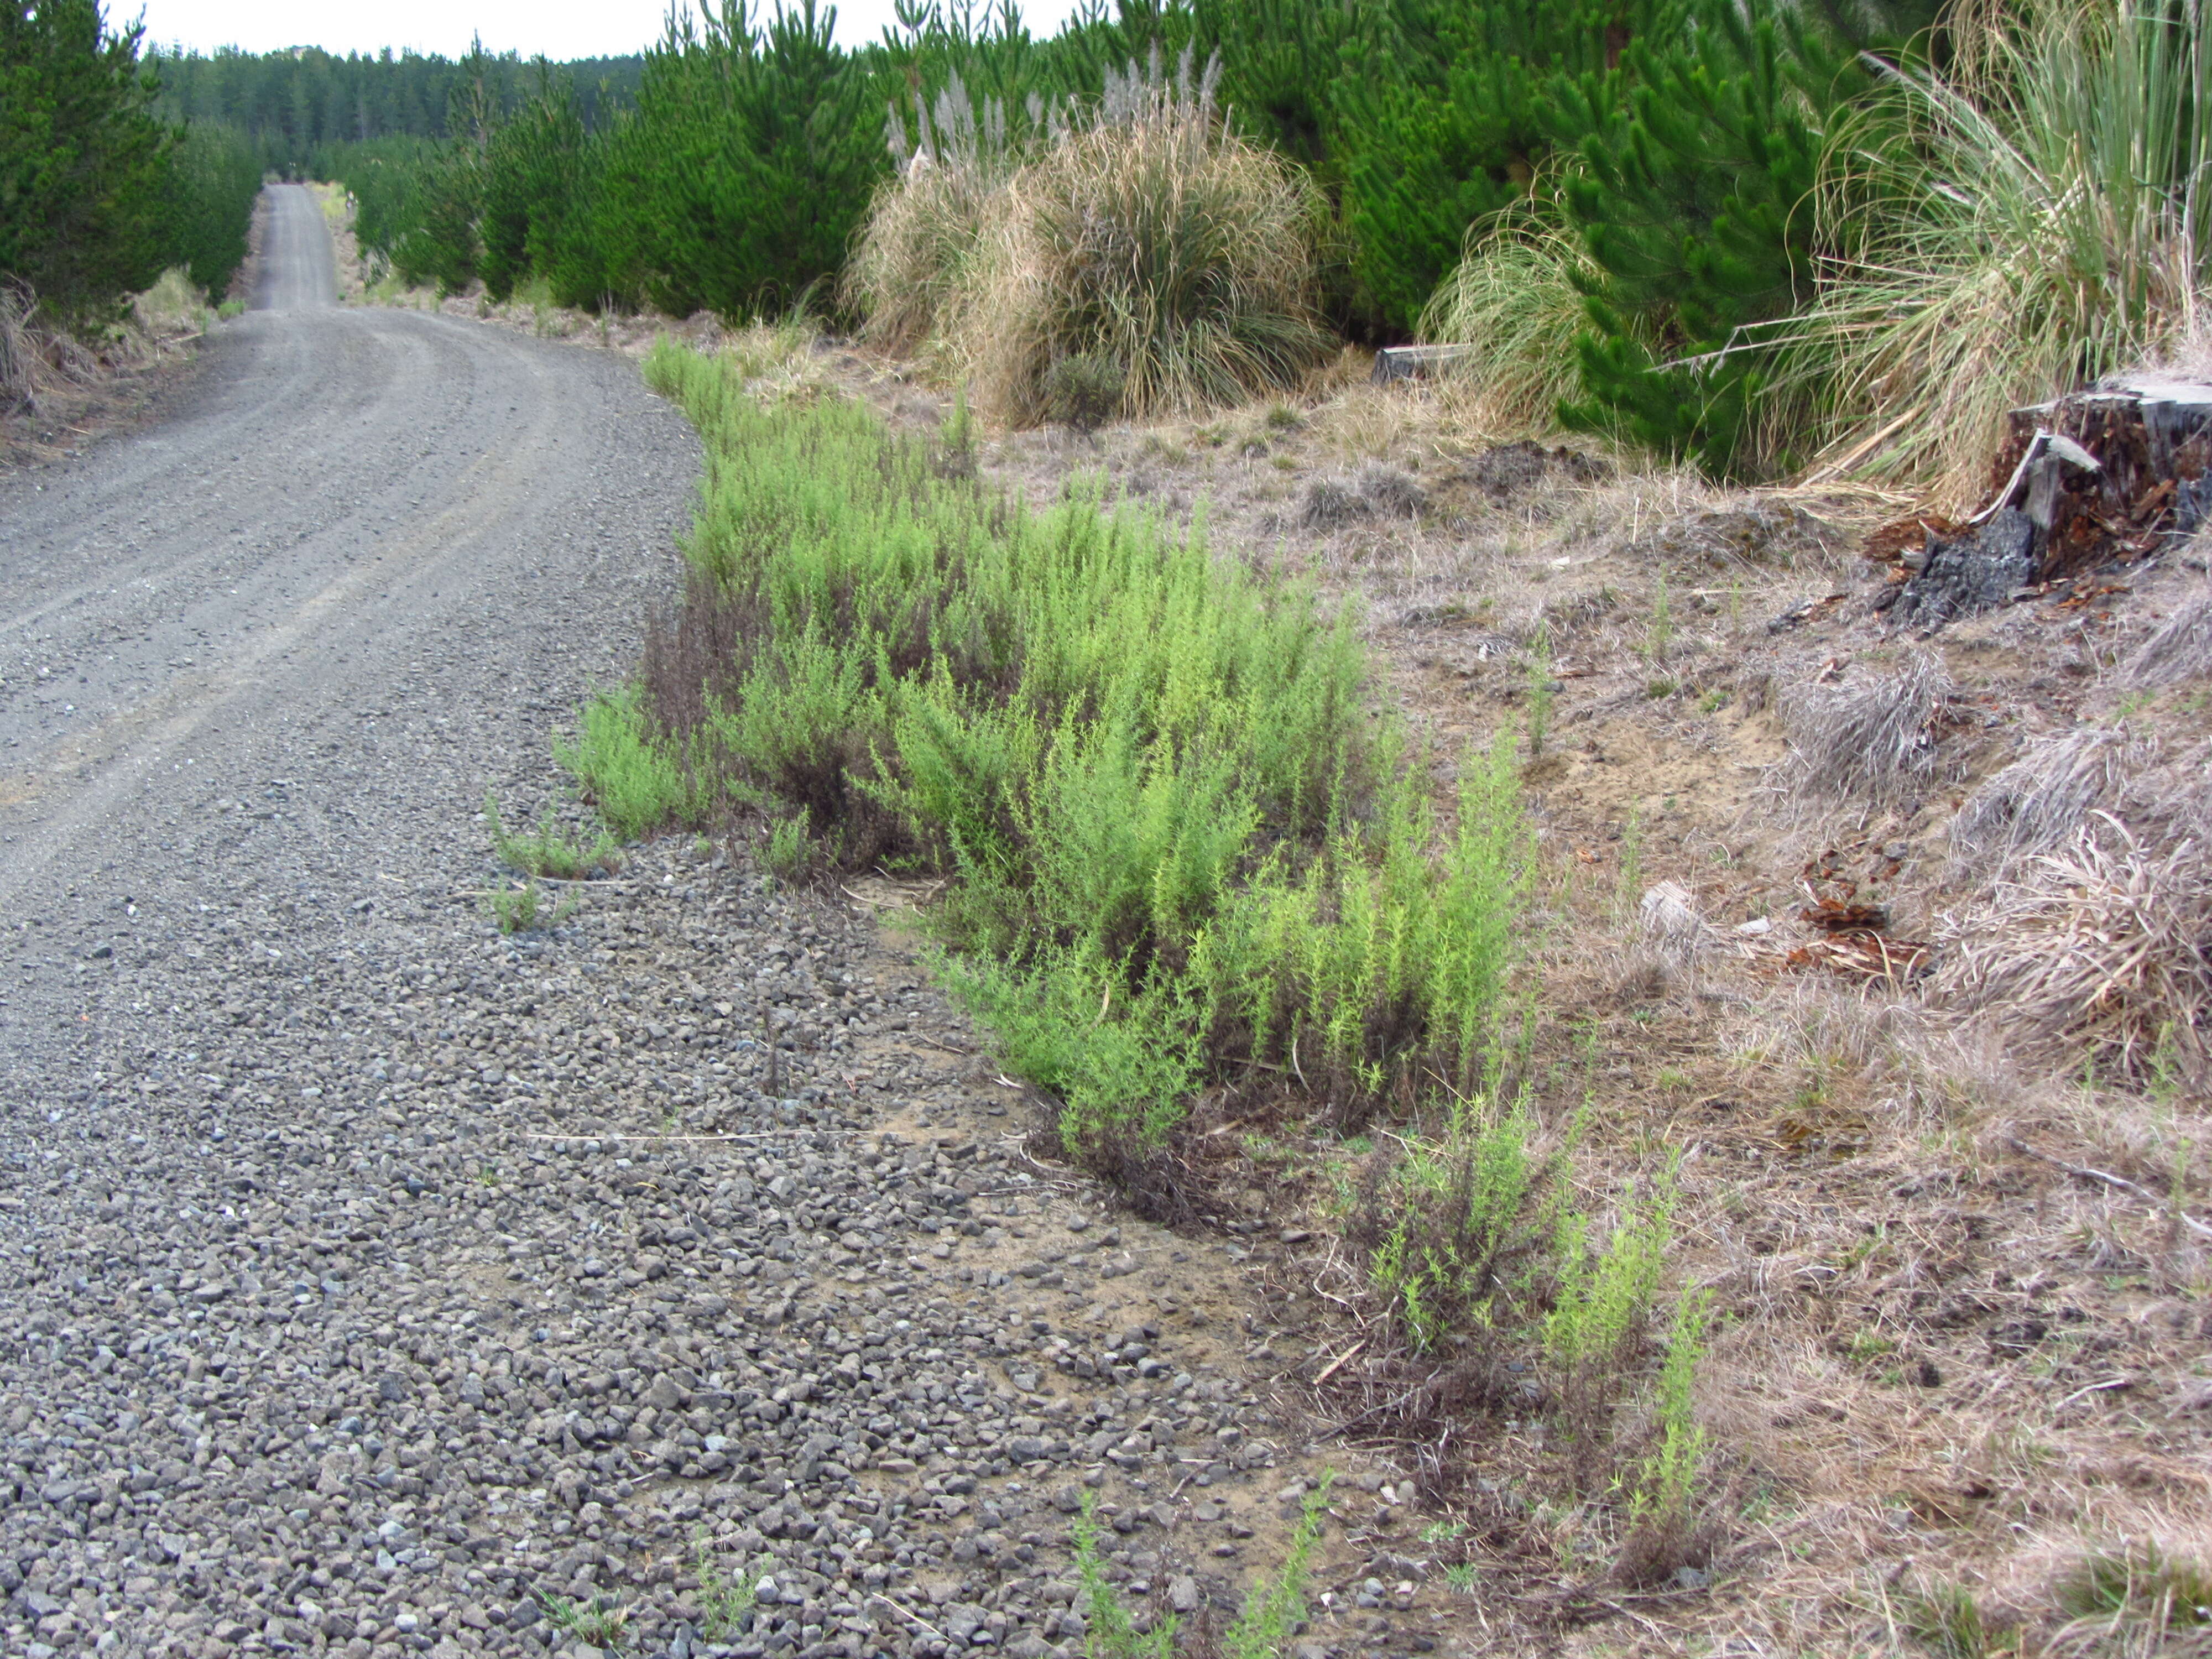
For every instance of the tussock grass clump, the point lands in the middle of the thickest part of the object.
(2042, 800)
(2040, 220)
(19, 352)
(2102, 951)
(1871, 743)
(1183, 847)
(2136, 1601)
(36, 359)
(926, 221)
(172, 307)
(1143, 235)
(1517, 300)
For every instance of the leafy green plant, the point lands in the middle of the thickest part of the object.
(518, 909)
(1663, 1505)
(1946, 1620)
(1536, 702)
(1108, 1631)
(789, 848)
(1603, 1306)
(726, 1600)
(1274, 1607)
(1272, 1613)
(1449, 1223)
(1178, 843)
(514, 908)
(548, 852)
(602, 1621)
(637, 783)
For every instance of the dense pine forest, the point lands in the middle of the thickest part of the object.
(291, 103)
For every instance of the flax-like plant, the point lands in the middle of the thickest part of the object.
(2004, 233)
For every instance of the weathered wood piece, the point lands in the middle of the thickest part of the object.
(1415, 362)
(2103, 476)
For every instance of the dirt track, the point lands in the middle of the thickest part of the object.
(377, 1283)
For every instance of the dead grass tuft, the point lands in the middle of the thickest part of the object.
(1669, 933)
(1872, 742)
(1156, 240)
(2097, 953)
(36, 360)
(2179, 649)
(2041, 801)
(171, 307)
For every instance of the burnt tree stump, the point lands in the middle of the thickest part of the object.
(2108, 475)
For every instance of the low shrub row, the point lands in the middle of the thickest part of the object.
(1183, 855)
(1185, 848)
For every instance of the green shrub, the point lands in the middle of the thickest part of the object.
(1448, 124)
(548, 852)
(1083, 391)
(532, 168)
(1448, 1221)
(754, 152)
(1699, 155)
(1180, 843)
(215, 179)
(637, 783)
(1273, 1611)
(84, 164)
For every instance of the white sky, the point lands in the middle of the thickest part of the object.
(563, 29)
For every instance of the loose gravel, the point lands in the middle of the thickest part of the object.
(378, 1283)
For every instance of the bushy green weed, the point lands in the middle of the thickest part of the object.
(1182, 842)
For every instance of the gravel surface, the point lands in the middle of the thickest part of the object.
(381, 1283)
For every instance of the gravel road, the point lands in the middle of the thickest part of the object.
(375, 1283)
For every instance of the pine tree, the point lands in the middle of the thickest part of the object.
(83, 162)
(1449, 120)
(764, 145)
(1699, 155)
(532, 170)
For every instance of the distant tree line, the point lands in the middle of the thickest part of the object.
(293, 103)
(119, 160)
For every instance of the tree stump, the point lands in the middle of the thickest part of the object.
(2105, 476)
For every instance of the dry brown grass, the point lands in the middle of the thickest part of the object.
(2102, 951)
(2178, 649)
(926, 226)
(37, 361)
(1172, 249)
(1870, 741)
(2042, 800)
